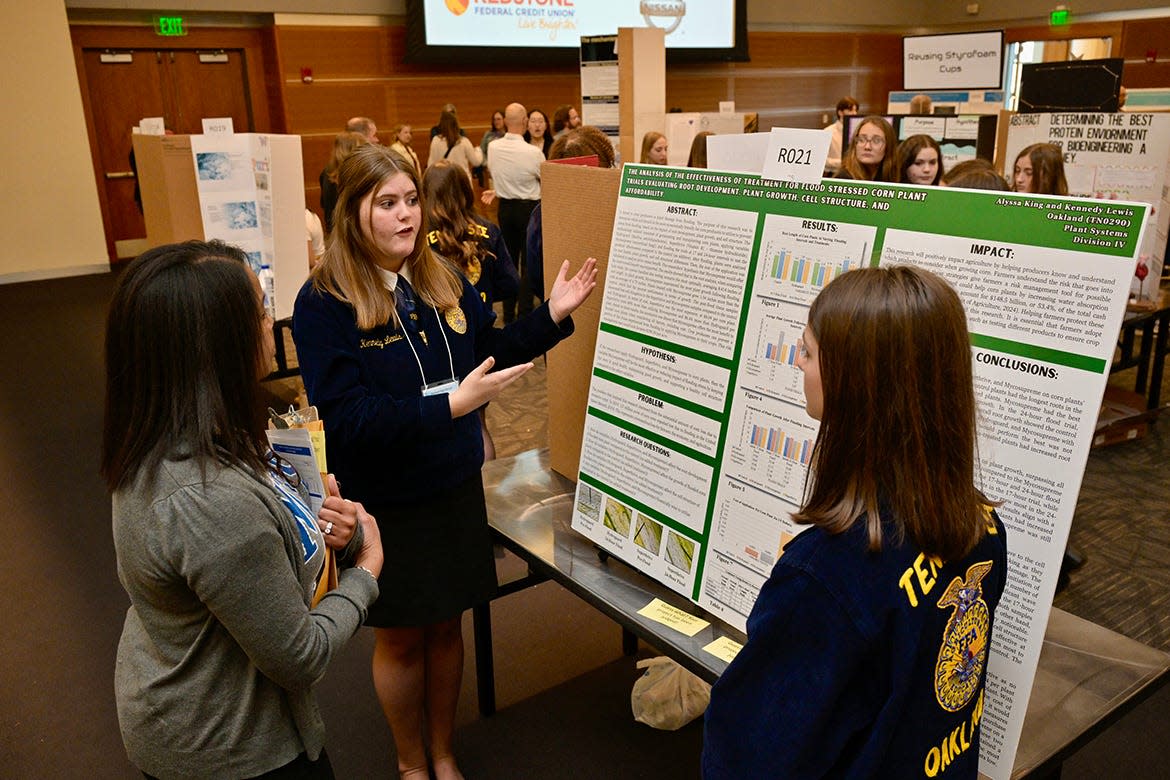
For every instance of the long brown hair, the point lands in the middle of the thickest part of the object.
(347, 270)
(898, 423)
(1047, 169)
(450, 213)
(343, 146)
(449, 128)
(886, 170)
(183, 352)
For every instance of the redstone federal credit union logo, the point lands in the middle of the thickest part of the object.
(457, 7)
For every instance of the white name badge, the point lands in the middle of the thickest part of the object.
(796, 154)
(442, 387)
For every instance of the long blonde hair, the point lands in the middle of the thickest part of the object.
(347, 270)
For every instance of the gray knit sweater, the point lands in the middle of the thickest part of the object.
(219, 651)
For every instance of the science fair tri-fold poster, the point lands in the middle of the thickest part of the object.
(697, 444)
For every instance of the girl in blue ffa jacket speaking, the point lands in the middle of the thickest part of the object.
(867, 647)
(396, 350)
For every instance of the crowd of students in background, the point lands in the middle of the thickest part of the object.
(874, 154)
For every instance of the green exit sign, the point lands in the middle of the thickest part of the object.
(1059, 16)
(169, 25)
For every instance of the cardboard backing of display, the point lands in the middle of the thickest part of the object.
(577, 211)
(172, 210)
(166, 179)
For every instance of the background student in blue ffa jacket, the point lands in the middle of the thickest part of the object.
(397, 350)
(218, 552)
(867, 647)
(474, 244)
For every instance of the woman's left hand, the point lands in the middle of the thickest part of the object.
(338, 518)
(567, 294)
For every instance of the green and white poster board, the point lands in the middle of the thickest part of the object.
(1122, 156)
(696, 441)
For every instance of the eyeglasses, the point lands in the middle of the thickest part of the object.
(870, 140)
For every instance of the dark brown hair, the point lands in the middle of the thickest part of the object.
(450, 211)
(347, 270)
(449, 128)
(908, 152)
(1047, 169)
(561, 118)
(846, 103)
(886, 170)
(183, 351)
(898, 423)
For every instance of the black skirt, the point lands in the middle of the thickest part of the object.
(439, 559)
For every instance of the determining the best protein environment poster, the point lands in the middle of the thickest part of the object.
(696, 441)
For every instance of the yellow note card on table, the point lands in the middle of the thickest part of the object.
(683, 622)
(724, 648)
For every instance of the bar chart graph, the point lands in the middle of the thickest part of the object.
(778, 442)
(799, 268)
(795, 262)
(771, 447)
(771, 345)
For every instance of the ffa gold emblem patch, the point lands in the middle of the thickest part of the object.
(474, 271)
(963, 653)
(456, 320)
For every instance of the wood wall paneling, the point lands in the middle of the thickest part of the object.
(1145, 76)
(793, 79)
(323, 107)
(335, 52)
(1142, 35)
(805, 50)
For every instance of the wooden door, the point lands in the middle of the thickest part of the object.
(183, 87)
(121, 93)
(207, 84)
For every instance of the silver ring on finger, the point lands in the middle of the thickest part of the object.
(328, 528)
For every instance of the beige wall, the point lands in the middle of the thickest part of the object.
(51, 220)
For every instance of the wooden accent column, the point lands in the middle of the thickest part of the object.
(641, 86)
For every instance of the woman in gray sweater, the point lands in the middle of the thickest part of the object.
(216, 549)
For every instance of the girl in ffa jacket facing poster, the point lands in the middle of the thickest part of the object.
(867, 646)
